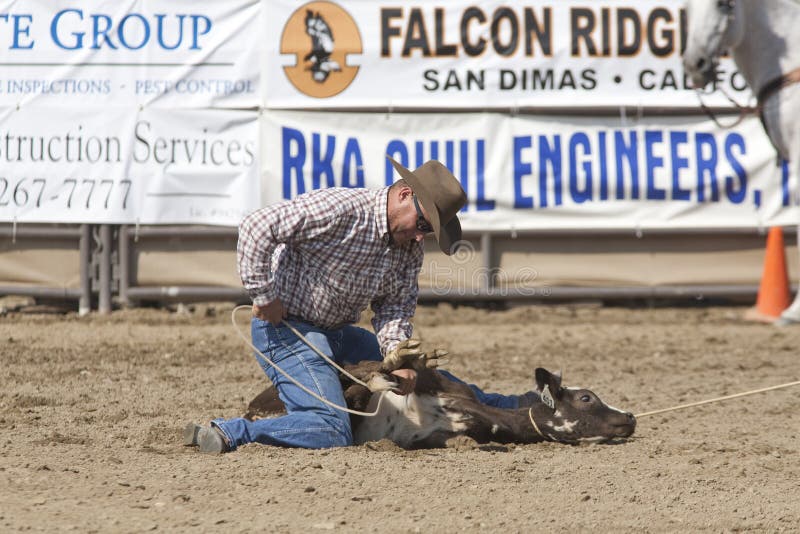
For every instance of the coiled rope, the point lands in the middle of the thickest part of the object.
(260, 356)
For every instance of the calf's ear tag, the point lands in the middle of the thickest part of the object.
(547, 398)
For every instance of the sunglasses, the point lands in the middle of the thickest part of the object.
(422, 225)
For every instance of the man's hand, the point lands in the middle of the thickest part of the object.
(273, 312)
(407, 351)
(407, 381)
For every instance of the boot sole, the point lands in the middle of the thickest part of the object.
(210, 441)
(190, 433)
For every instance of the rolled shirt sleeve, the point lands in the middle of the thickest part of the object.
(261, 232)
(395, 308)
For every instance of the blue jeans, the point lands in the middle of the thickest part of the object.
(489, 399)
(310, 423)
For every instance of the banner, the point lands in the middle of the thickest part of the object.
(533, 172)
(179, 53)
(123, 166)
(155, 112)
(135, 112)
(483, 55)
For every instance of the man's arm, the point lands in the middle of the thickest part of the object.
(394, 310)
(261, 232)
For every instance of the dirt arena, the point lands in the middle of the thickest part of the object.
(93, 407)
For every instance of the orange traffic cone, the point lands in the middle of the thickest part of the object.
(773, 293)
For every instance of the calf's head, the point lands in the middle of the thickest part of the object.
(572, 415)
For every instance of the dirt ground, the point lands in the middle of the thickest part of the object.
(92, 410)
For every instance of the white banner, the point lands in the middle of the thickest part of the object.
(452, 54)
(530, 172)
(179, 53)
(148, 111)
(122, 166)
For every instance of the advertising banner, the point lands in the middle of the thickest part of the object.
(533, 172)
(122, 166)
(482, 55)
(173, 112)
(179, 53)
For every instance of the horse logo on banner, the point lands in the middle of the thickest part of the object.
(321, 47)
(321, 68)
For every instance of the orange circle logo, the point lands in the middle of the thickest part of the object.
(321, 36)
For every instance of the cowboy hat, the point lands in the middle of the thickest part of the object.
(441, 195)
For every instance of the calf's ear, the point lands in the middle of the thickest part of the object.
(546, 378)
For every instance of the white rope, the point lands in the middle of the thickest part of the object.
(682, 406)
(263, 358)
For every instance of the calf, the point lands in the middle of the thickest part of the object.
(440, 409)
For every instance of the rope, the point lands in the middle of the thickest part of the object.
(535, 426)
(708, 401)
(261, 357)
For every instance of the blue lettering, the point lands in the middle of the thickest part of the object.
(435, 150)
(133, 32)
(322, 165)
(552, 155)
(196, 32)
(398, 151)
(651, 138)
(20, 30)
(145, 28)
(464, 164)
(735, 194)
(521, 169)
(481, 203)
(419, 153)
(78, 43)
(293, 160)
(630, 152)
(579, 196)
(678, 162)
(706, 164)
(160, 32)
(450, 154)
(101, 32)
(352, 152)
(603, 166)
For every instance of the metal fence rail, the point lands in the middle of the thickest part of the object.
(108, 274)
(107, 253)
(43, 237)
(132, 238)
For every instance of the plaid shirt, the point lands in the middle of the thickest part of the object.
(327, 255)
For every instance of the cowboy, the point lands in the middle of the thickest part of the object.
(316, 262)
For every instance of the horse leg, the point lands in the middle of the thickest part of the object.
(791, 315)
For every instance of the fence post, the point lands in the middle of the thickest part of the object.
(85, 254)
(104, 297)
